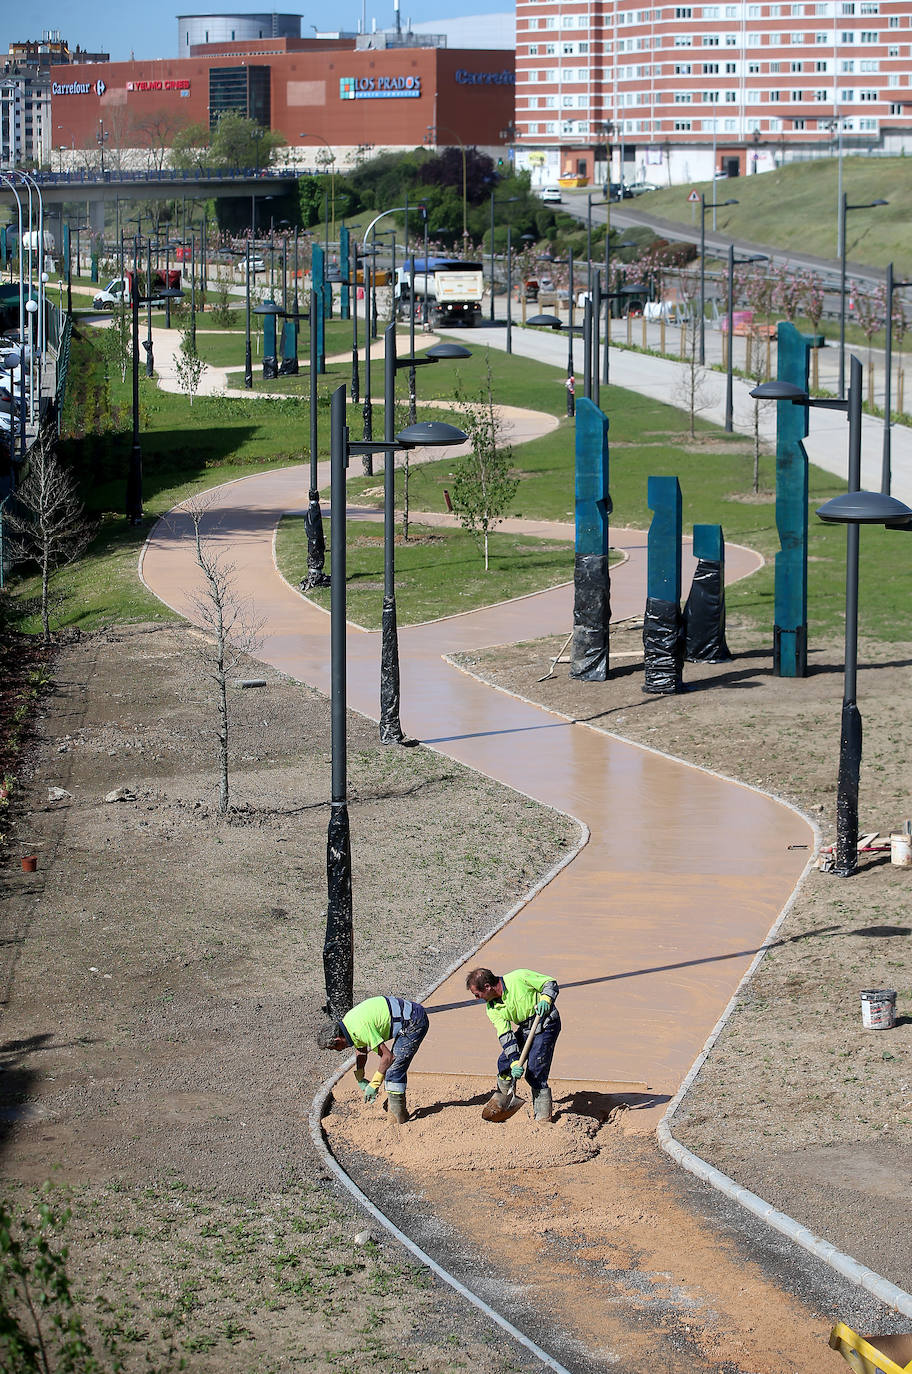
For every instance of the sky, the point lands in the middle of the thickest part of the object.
(142, 30)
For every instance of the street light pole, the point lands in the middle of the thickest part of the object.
(886, 477)
(509, 288)
(729, 363)
(134, 477)
(248, 361)
(844, 208)
(713, 205)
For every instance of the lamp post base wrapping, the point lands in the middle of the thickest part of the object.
(338, 946)
(316, 545)
(847, 791)
(270, 368)
(390, 728)
(663, 645)
(591, 615)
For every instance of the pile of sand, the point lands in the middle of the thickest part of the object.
(446, 1130)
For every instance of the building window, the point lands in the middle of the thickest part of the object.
(682, 69)
(731, 68)
(710, 97)
(867, 125)
(893, 21)
(710, 69)
(868, 36)
(684, 12)
(869, 7)
(774, 66)
(867, 96)
(710, 40)
(683, 126)
(753, 68)
(822, 67)
(868, 64)
(533, 52)
(821, 96)
(682, 40)
(775, 96)
(682, 97)
(798, 123)
(847, 65)
(710, 11)
(821, 38)
(798, 95)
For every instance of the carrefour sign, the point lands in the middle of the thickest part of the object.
(78, 87)
(379, 87)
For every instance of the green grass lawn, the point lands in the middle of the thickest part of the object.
(187, 449)
(795, 208)
(438, 571)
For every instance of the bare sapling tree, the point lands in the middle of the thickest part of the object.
(228, 621)
(117, 343)
(484, 485)
(46, 523)
(692, 391)
(188, 365)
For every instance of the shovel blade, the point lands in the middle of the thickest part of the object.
(501, 1107)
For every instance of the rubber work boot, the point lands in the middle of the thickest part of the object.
(397, 1108)
(504, 1088)
(541, 1104)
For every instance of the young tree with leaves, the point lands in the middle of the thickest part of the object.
(484, 485)
(188, 365)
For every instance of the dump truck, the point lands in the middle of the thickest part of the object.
(450, 290)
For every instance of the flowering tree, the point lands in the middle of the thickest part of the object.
(870, 312)
(788, 291)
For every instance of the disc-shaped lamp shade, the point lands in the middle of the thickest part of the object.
(31, 306)
(430, 434)
(172, 294)
(11, 361)
(544, 321)
(779, 391)
(449, 350)
(865, 508)
(268, 310)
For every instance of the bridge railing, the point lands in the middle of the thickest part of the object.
(89, 177)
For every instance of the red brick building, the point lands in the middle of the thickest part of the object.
(351, 99)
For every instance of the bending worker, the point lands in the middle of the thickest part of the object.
(366, 1028)
(514, 999)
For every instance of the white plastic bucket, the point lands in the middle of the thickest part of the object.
(878, 1009)
(901, 849)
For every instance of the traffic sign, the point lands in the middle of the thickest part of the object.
(694, 195)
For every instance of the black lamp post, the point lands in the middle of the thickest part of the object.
(730, 312)
(844, 208)
(150, 361)
(509, 200)
(338, 946)
(713, 205)
(134, 499)
(609, 296)
(509, 288)
(248, 359)
(854, 508)
(886, 477)
(554, 322)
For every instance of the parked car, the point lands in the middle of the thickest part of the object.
(639, 188)
(551, 195)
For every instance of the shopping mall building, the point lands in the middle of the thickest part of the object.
(330, 96)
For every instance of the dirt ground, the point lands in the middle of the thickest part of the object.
(796, 1100)
(162, 979)
(162, 983)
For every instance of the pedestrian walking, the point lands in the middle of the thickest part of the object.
(366, 1029)
(513, 1001)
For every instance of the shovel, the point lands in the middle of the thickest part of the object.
(501, 1106)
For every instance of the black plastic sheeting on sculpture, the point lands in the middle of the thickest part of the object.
(704, 616)
(316, 544)
(270, 369)
(591, 614)
(390, 729)
(338, 946)
(663, 646)
(289, 367)
(847, 791)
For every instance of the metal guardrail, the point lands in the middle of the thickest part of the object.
(87, 177)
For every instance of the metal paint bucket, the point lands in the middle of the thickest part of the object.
(878, 1009)
(901, 849)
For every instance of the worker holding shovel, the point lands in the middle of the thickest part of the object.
(367, 1027)
(525, 1000)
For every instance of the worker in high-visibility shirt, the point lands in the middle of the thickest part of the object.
(366, 1028)
(515, 999)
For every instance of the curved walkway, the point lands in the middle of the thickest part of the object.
(653, 925)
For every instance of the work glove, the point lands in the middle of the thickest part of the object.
(368, 1089)
(543, 1006)
(517, 1070)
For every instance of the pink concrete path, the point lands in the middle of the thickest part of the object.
(652, 925)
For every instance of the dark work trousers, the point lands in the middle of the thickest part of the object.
(538, 1065)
